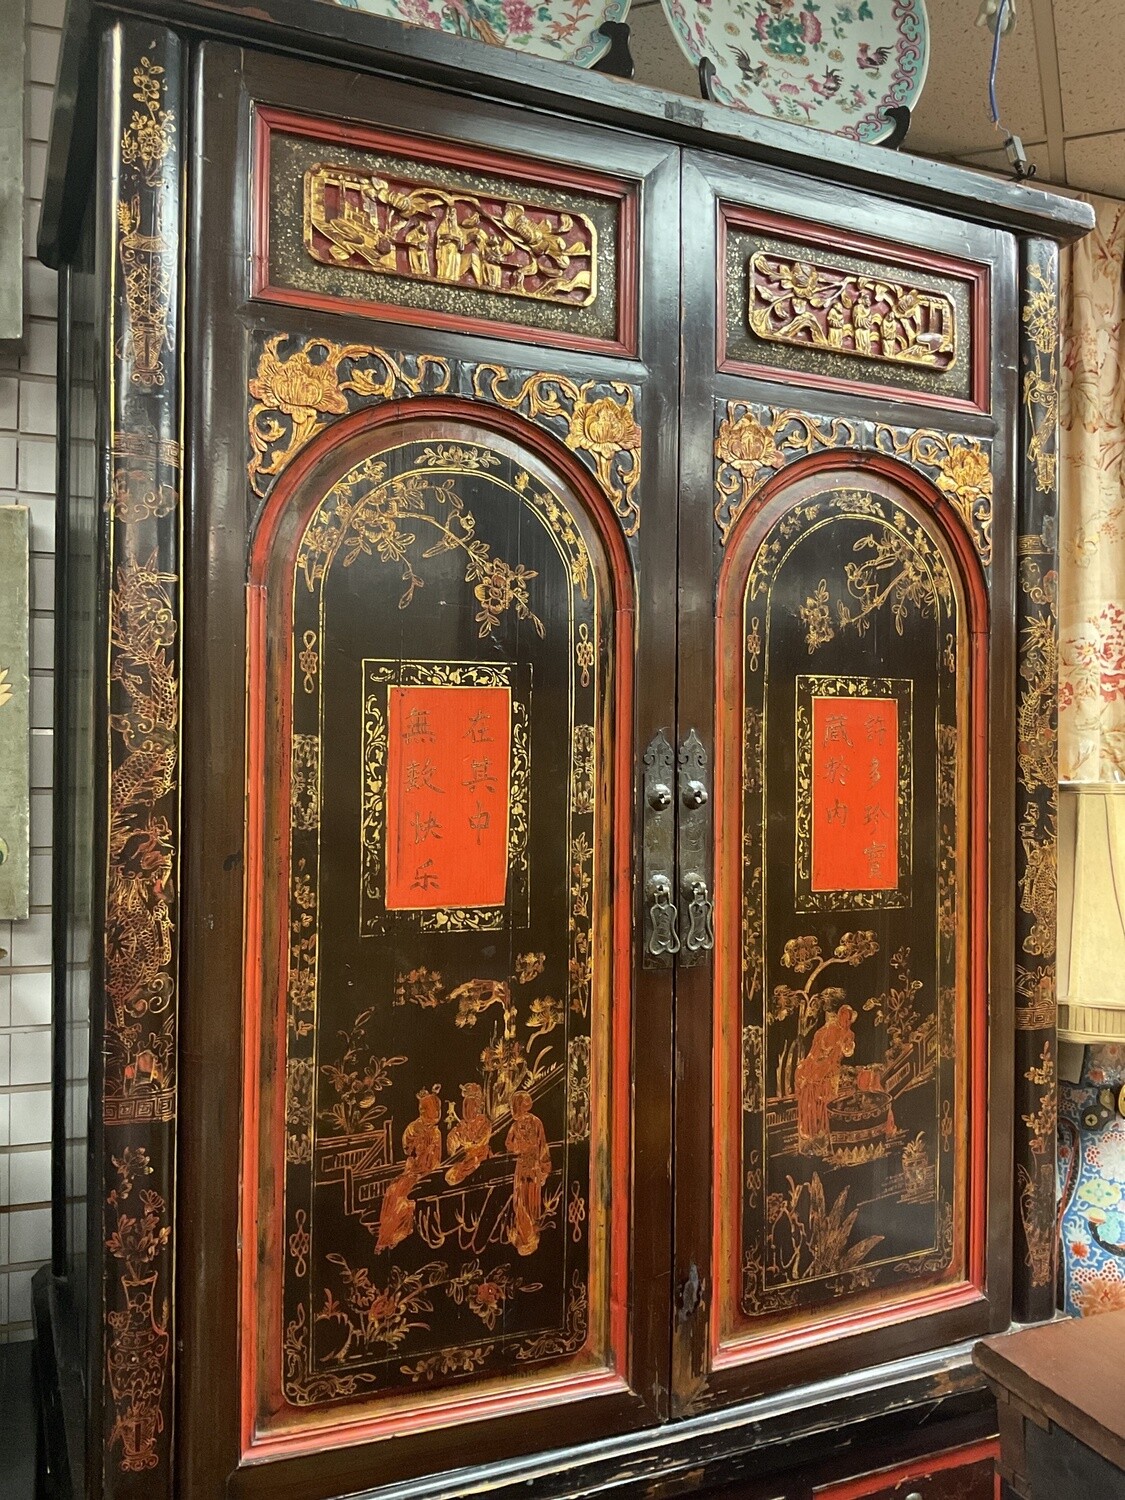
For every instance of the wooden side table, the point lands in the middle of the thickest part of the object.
(1060, 1396)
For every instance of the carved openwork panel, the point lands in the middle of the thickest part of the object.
(846, 908)
(851, 313)
(399, 227)
(436, 927)
(443, 234)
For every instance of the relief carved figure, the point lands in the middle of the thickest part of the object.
(826, 307)
(395, 226)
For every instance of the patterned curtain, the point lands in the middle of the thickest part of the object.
(1092, 741)
(1092, 503)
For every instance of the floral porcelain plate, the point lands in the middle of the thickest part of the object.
(838, 65)
(567, 33)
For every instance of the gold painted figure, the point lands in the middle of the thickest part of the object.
(421, 1142)
(527, 1141)
(468, 1141)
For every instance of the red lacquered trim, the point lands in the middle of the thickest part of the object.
(918, 1468)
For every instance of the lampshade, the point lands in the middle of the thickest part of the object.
(1091, 947)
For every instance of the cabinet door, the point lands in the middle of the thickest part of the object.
(427, 578)
(845, 676)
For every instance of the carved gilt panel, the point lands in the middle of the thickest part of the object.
(459, 236)
(850, 313)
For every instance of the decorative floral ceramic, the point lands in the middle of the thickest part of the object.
(565, 33)
(1092, 1186)
(836, 66)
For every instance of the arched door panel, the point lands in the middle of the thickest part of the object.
(438, 1187)
(849, 1026)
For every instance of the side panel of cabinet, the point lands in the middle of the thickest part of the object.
(846, 656)
(426, 656)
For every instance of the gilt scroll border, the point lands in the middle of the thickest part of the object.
(299, 388)
(142, 520)
(753, 442)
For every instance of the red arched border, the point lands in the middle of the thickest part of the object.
(753, 526)
(406, 1418)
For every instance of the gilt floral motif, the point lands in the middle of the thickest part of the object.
(961, 468)
(298, 389)
(399, 226)
(814, 306)
(752, 443)
(141, 786)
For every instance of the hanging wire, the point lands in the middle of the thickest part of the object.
(1017, 156)
(993, 106)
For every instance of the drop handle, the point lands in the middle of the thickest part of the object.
(662, 917)
(693, 794)
(701, 915)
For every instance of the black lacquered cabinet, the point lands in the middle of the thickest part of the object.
(551, 865)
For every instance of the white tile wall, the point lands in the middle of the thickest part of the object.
(27, 475)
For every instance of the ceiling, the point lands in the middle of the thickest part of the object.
(1060, 86)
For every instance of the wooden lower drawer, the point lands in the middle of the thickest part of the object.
(967, 1473)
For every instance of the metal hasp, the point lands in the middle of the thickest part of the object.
(695, 851)
(661, 937)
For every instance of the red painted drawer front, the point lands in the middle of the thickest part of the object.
(962, 1474)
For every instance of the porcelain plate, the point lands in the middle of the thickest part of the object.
(837, 65)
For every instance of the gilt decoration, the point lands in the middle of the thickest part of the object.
(800, 302)
(961, 468)
(398, 226)
(851, 1032)
(753, 443)
(142, 797)
(1036, 768)
(441, 1118)
(298, 389)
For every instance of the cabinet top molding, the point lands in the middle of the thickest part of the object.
(413, 54)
